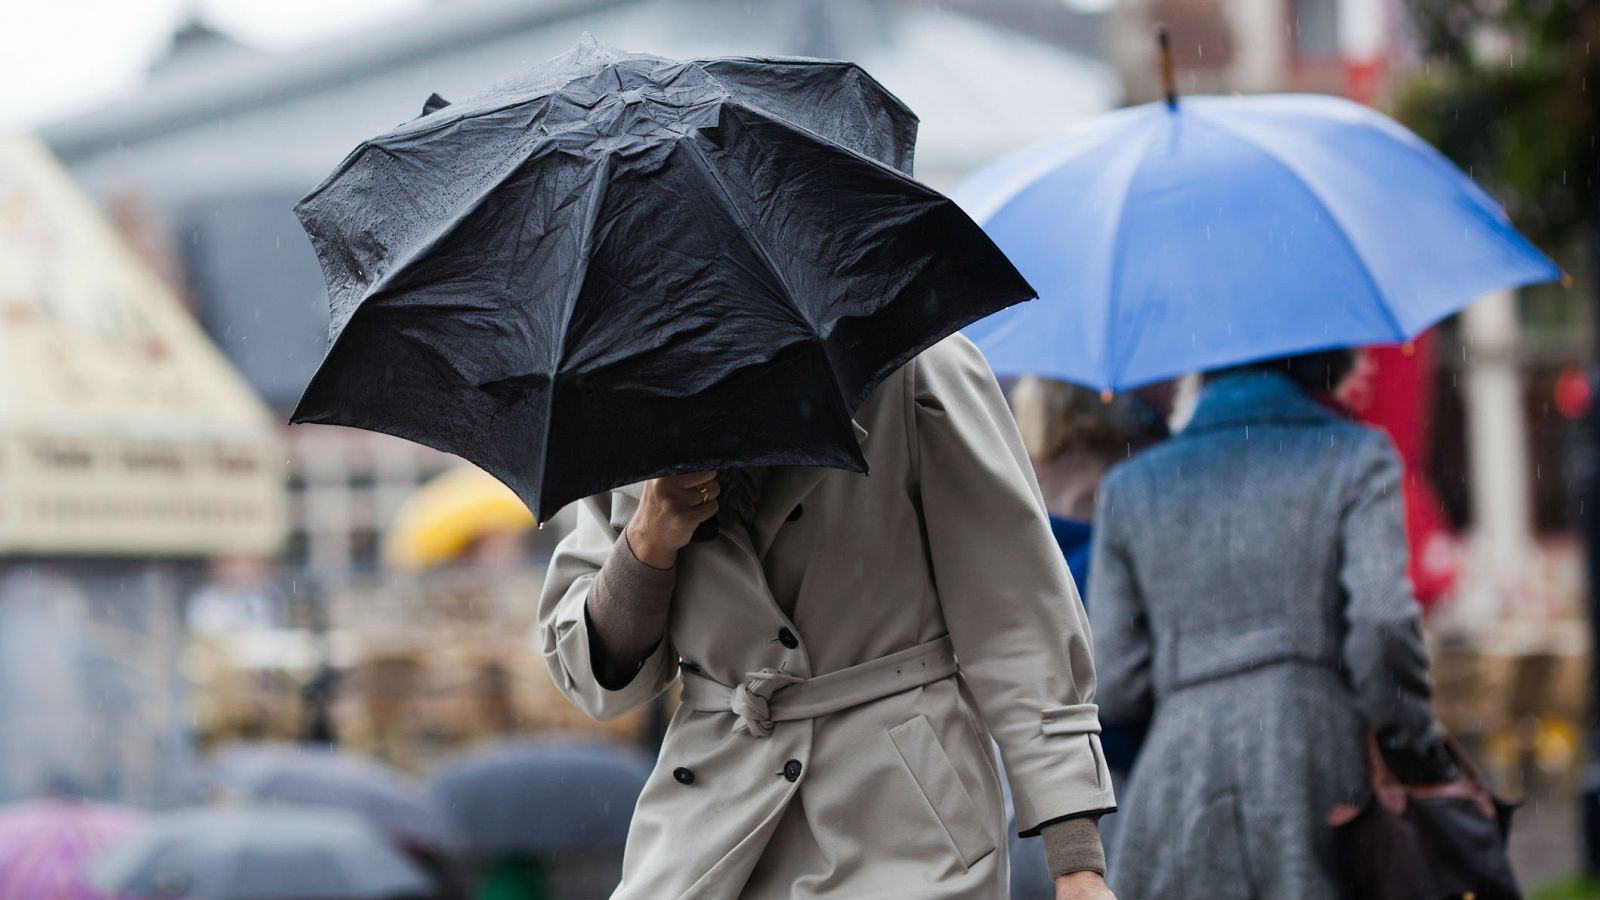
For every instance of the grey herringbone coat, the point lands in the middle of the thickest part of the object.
(1250, 593)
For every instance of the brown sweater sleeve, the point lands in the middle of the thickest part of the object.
(627, 614)
(1073, 845)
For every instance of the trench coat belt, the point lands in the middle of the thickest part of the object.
(772, 695)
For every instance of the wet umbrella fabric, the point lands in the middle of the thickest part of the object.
(542, 798)
(1232, 229)
(259, 854)
(269, 774)
(618, 266)
(45, 846)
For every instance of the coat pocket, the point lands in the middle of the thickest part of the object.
(936, 776)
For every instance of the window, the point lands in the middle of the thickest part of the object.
(1316, 28)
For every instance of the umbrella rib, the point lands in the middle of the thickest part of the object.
(597, 195)
(1300, 178)
(1027, 166)
(458, 218)
(724, 198)
(1113, 368)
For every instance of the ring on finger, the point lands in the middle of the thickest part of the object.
(705, 493)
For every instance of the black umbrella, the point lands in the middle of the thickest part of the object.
(301, 775)
(541, 798)
(278, 853)
(619, 266)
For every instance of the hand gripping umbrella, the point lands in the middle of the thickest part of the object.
(618, 266)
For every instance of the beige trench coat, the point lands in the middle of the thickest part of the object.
(898, 796)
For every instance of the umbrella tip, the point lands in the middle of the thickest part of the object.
(1169, 82)
(1566, 278)
(1409, 348)
(433, 104)
(1105, 395)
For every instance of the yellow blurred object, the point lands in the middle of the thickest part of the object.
(441, 520)
(1555, 746)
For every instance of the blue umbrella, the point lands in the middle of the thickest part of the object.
(1213, 231)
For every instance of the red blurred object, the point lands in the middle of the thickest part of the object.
(1392, 389)
(1573, 394)
(1363, 79)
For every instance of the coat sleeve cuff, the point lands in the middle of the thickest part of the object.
(571, 650)
(1073, 845)
(573, 646)
(1059, 772)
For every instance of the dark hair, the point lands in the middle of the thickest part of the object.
(1315, 373)
(1055, 417)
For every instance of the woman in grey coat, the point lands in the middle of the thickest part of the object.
(1250, 597)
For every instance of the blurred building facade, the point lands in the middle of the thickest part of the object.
(130, 451)
(1255, 46)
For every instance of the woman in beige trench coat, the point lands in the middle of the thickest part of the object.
(845, 660)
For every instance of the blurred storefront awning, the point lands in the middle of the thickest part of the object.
(123, 430)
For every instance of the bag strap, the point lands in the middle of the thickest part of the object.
(1392, 794)
(1386, 789)
(1473, 778)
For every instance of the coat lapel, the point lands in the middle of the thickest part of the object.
(786, 487)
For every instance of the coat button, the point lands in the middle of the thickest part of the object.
(796, 513)
(683, 775)
(791, 770)
(787, 638)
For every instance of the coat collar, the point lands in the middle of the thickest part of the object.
(1245, 398)
(782, 492)
(785, 488)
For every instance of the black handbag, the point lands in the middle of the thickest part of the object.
(1425, 842)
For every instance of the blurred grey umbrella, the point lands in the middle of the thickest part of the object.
(271, 774)
(259, 854)
(542, 798)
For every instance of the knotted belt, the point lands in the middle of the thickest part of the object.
(767, 696)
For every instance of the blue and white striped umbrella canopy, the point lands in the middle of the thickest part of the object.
(1230, 229)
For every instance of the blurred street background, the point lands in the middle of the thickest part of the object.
(181, 575)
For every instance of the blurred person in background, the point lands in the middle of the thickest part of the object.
(240, 593)
(1250, 600)
(1073, 436)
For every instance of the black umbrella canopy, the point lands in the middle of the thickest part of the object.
(244, 853)
(543, 798)
(619, 266)
(301, 775)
